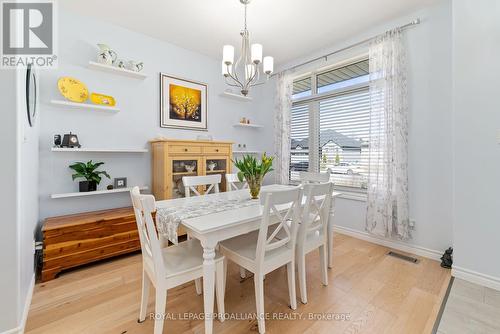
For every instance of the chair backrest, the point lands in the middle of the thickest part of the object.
(191, 182)
(232, 181)
(316, 210)
(312, 177)
(152, 255)
(280, 207)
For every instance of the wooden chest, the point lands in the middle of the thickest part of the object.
(73, 240)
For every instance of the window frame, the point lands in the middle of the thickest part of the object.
(313, 102)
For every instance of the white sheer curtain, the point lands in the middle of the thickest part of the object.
(387, 213)
(284, 88)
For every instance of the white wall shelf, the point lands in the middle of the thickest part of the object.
(236, 96)
(61, 103)
(92, 193)
(242, 125)
(116, 70)
(247, 152)
(100, 150)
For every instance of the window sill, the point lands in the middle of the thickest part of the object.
(353, 196)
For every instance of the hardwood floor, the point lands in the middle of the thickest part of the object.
(374, 293)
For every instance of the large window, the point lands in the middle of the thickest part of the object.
(338, 103)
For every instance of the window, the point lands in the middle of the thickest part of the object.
(340, 110)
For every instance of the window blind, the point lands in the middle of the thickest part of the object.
(343, 137)
(299, 133)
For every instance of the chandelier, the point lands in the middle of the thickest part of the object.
(245, 72)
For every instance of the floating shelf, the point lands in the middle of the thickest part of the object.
(216, 171)
(116, 70)
(243, 152)
(184, 173)
(236, 96)
(92, 193)
(100, 150)
(242, 125)
(61, 103)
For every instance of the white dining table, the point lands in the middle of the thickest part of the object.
(212, 228)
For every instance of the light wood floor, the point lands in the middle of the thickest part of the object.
(380, 294)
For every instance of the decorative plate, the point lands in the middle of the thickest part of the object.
(102, 99)
(73, 89)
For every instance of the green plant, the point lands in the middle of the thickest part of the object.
(253, 171)
(88, 171)
(337, 158)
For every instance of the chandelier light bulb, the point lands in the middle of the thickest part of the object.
(256, 53)
(228, 54)
(268, 65)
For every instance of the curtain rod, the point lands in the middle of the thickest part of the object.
(410, 24)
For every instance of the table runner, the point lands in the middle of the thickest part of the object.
(168, 219)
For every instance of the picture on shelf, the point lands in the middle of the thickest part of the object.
(183, 103)
(119, 182)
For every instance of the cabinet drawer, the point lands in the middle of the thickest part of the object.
(187, 149)
(215, 149)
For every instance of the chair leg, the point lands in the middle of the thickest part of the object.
(290, 270)
(145, 296)
(259, 301)
(323, 264)
(160, 308)
(220, 287)
(301, 263)
(199, 287)
(330, 245)
(243, 272)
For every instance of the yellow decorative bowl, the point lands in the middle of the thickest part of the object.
(73, 89)
(102, 99)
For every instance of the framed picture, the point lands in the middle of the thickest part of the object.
(119, 182)
(183, 103)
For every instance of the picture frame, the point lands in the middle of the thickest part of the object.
(183, 103)
(119, 182)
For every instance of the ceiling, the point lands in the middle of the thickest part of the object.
(288, 29)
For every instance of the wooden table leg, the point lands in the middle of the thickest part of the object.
(208, 284)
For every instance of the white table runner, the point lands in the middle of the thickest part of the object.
(168, 219)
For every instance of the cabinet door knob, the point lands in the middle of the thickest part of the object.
(216, 150)
(185, 150)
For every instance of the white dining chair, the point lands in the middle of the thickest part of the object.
(233, 181)
(192, 182)
(168, 267)
(312, 177)
(260, 252)
(313, 231)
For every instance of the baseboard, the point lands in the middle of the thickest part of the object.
(27, 303)
(477, 278)
(394, 244)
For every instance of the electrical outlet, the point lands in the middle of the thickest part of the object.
(412, 224)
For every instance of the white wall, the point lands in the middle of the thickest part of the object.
(430, 143)
(138, 120)
(476, 125)
(9, 252)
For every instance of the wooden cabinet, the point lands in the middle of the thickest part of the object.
(72, 240)
(173, 159)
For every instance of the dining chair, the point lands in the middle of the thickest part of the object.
(232, 181)
(260, 252)
(312, 177)
(192, 182)
(313, 231)
(168, 267)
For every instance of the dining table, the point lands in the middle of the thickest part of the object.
(227, 215)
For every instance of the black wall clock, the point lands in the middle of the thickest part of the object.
(31, 95)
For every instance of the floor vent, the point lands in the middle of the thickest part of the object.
(403, 257)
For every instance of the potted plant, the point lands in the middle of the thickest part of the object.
(88, 172)
(253, 171)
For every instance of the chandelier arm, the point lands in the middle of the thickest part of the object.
(230, 84)
(235, 78)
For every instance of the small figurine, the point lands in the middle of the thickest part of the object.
(447, 258)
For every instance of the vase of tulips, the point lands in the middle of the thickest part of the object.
(253, 171)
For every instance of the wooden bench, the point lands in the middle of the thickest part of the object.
(72, 240)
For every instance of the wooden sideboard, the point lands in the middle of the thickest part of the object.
(72, 240)
(170, 156)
